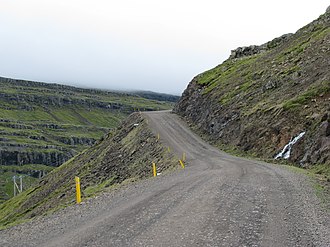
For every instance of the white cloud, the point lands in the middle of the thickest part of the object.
(157, 45)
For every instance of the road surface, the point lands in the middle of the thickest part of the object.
(217, 200)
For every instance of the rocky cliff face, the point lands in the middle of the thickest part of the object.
(48, 124)
(255, 49)
(264, 96)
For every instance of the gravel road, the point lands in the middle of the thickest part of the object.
(217, 200)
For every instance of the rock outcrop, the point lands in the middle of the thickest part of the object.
(263, 96)
(255, 49)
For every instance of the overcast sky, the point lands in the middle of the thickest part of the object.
(157, 45)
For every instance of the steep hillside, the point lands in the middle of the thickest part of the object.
(122, 156)
(264, 96)
(43, 125)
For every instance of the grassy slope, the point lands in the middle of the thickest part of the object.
(255, 104)
(46, 118)
(124, 155)
(30, 174)
(244, 77)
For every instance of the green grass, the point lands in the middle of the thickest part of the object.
(67, 115)
(7, 186)
(321, 169)
(290, 70)
(27, 168)
(117, 160)
(225, 71)
(95, 189)
(23, 170)
(298, 169)
(43, 118)
(319, 175)
(100, 117)
(68, 130)
(233, 77)
(7, 216)
(309, 94)
(26, 116)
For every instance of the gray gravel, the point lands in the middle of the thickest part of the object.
(217, 200)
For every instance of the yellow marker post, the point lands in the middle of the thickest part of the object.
(78, 194)
(158, 136)
(154, 169)
(181, 163)
(184, 157)
(168, 149)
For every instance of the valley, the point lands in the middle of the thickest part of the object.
(43, 125)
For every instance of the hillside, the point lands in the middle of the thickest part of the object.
(43, 125)
(263, 97)
(157, 96)
(124, 155)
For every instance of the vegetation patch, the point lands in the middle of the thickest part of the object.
(322, 169)
(123, 156)
(48, 124)
(319, 175)
(309, 94)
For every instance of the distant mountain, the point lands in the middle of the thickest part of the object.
(270, 101)
(157, 96)
(43, 124)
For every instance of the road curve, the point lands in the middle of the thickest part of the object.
(217, 200)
